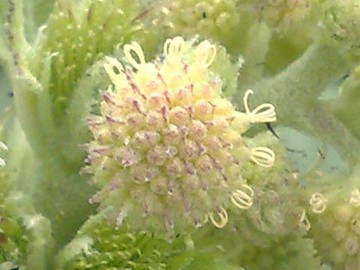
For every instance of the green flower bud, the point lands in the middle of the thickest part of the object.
(335, 223)
(167, 150)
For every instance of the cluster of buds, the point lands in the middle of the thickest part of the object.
(167, 150)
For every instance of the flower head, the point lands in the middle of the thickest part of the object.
(167, 149)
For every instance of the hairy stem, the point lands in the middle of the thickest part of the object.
(295, 91)
(59, 192)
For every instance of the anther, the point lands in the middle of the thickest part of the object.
(136, 48)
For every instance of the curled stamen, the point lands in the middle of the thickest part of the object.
(355, 198)
(243, 199)
(318, 203)
(223, 216)
(263, 156)
(206, 219)
(173, 49)
(304, 221)
(109, 68)
(3, 146)
(2, 163)
(264, 113)
(136, 48)
(206, 53)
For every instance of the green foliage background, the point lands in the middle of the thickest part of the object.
(303, 59)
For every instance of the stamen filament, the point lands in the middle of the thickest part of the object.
(263, 156)
(243, 199)
(264, 113)
(206, 53)
(173, 49)
(136, 48)
(304, 221)
(112, 63)
(355, 198)
(223, 216)
(318, 203)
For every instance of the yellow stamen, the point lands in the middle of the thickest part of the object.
(355, 198)
(206, 53)
(318, 203)
(223, 216)
(3, 146)
(263, 156)
(243, 199)
(136, 48)
(2, 163)
(116, 78)
(304, 221)
(173, 49)
(264, 113)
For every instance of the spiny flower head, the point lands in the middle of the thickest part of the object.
(335, 223)
(167, 149)
(106, 247)
(77, 34)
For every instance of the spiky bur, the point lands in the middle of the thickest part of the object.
(98, 245)
(342, 23)
(105, 247)
(77, 35)
(334, 213)
(167, 150)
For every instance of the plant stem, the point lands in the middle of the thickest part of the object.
(294, 92)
